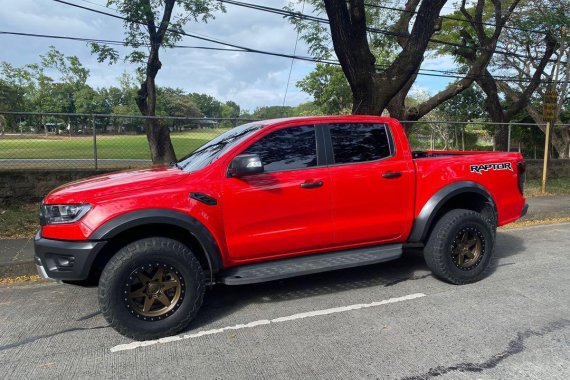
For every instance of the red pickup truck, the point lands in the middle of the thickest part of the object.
(270, 200)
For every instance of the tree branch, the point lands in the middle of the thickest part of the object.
(535, 81)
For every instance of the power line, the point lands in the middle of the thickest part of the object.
(430, 72)
(454, 19)
(246, 49)
(292, 60)
(322, 20)
(110, 42)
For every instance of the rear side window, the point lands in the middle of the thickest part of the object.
(287, 149)
(359, 142)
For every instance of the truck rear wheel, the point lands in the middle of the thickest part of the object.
(460, 247)
(151, 288)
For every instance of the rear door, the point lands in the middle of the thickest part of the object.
(286, 209)
(372, 185)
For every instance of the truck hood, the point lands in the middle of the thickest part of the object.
(113, 183)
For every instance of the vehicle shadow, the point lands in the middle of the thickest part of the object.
(506, 246)
(222, 300)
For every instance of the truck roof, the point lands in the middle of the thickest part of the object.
(324, 118)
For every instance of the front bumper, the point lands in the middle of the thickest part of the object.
(65, 260)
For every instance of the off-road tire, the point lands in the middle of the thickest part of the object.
(439, 253)
(150, 251)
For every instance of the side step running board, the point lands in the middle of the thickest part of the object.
(299, 266)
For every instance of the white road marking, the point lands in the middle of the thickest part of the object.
(309, 314)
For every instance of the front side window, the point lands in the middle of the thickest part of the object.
(287, 149)
(359, 142)
(210, 151)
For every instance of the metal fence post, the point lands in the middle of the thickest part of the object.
(94, 141)
(509, 142)
(545, 162)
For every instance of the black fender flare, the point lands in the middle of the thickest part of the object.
(426, 216)
(133, 219)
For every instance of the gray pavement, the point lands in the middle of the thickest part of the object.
(552, 206)
(16, 255)
(513, 324)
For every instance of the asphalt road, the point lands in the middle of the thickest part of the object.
(392, 320)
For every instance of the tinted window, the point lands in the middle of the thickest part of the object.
(286, 149)
(359, 142)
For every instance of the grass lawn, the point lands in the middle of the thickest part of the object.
(19, 220)
(554, 186)
(118, 147)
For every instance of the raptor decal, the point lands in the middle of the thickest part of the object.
(479, 169)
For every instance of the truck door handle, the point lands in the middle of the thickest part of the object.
(391, 175)
(311, 185)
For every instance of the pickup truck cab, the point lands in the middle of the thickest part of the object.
(270, 200)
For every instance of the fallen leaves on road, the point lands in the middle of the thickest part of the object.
(527, 223)
(18, 279)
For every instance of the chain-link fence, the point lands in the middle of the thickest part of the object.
(527, 138)
(84, 141)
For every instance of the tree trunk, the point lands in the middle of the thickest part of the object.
(158, 135)
(372, 91)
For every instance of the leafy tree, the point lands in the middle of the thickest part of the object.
(71, 71)
(11, 99)
(349, 22)
(308, 109)
(273, 112)
(478, 35)
(466, 106)
(540, 15)
(208, 105)
(381, 50)
(150, 26)
(329, 88)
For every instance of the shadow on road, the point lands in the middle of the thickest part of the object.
(222, 300)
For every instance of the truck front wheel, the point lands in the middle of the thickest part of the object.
(151, 288)
(460, 247)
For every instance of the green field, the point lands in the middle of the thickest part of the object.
(115, 147)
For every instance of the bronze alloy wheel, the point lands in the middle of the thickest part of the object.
(154, 291)
(467, 248)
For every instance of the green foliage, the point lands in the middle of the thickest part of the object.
(208, 105)
(143, 20)
(70, 69)
(468, 105)
(273, 112)
(317, 35)
(308, 109)
(327, 83)
(174, 102)
(329, 88)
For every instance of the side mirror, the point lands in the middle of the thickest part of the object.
(245, 164)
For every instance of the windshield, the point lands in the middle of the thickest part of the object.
(210, 151)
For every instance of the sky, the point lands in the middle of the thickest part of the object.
(251, 80)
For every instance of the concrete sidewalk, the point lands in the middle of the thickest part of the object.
(17, 255)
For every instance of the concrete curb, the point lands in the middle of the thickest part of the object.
(17, 269)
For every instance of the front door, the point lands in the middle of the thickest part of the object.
(284, 210)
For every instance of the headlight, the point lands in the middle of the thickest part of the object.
(60, 214)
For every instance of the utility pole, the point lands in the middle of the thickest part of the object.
(551, 109)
